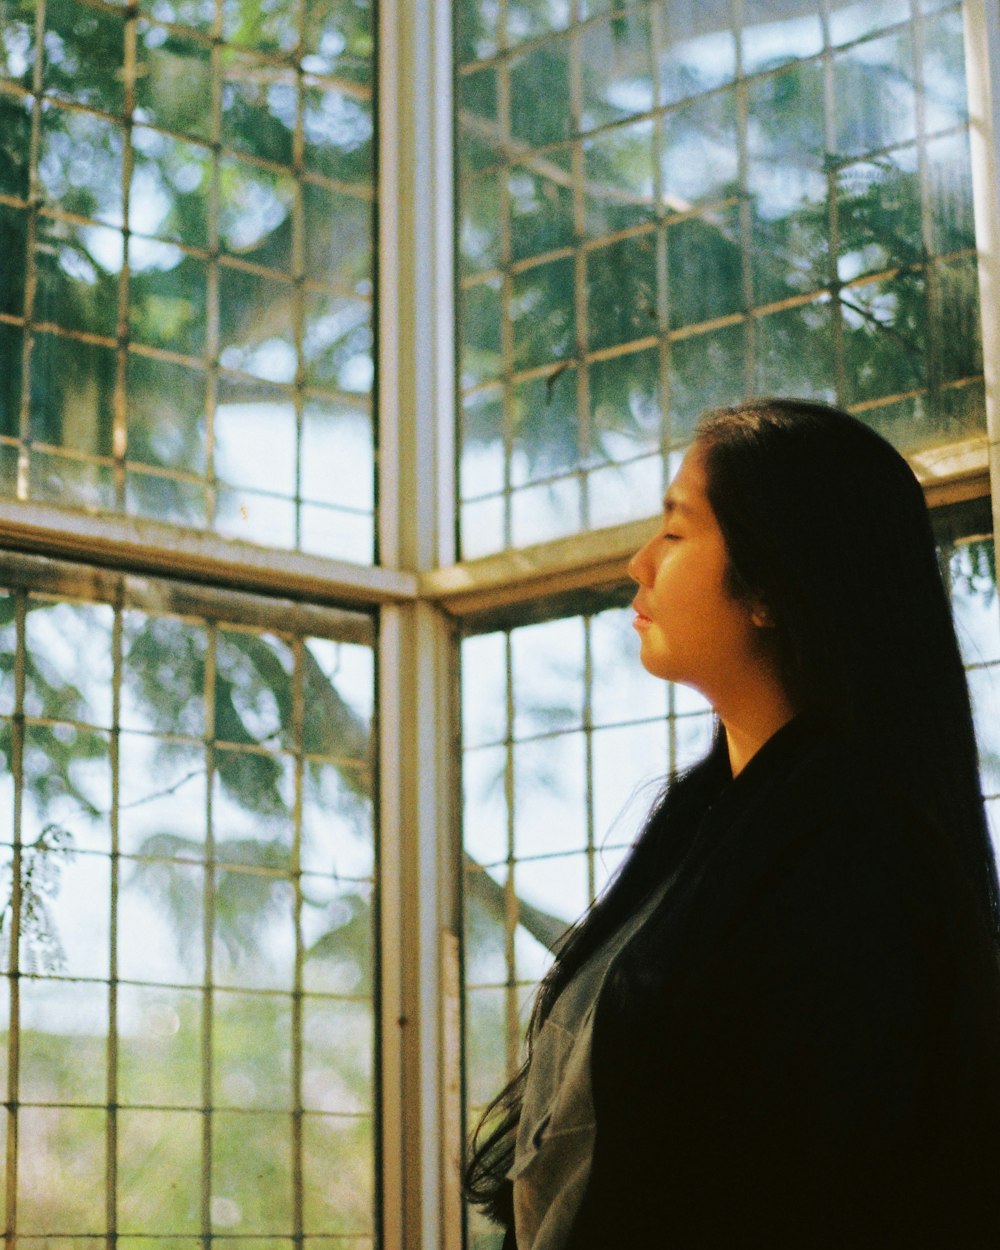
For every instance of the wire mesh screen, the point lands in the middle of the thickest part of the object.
(668, 206)
(567, 741)
(187, 862)
(186, 209)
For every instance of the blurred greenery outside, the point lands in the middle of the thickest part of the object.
(197, 279)
(645, 233)
(186, 219)
(281, 1048)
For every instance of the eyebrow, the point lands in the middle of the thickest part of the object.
(672, 505)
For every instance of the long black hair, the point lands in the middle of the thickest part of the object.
(825, 525)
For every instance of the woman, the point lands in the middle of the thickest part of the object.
(780, 1025)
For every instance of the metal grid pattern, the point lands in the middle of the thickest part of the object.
(186, 210)
(666, 206)
(188, 863)
(566, 740)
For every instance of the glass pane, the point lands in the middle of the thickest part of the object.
(617, 69)
(173, 82)
(621, 689)
(851, 20)
(556, 886)
(166, 421)
(337, 347)
(337, 821)
(168, 308)
(63, 1043)
(258, 108)
(482, 455)
(550, 796)
(61, 1169)
(697, 50)
(630, 766)
(84, 47)
(485, 933)
(975, 603)
(151, 1146)
(707, 370)
(339, 1175)
(171, 188)
(541, 205)
(546, 437)
(77, 270)
(252, 704)
(159, 1054)
(338, 1049)
(484, 690)
(774, 33)
(254, 927)
(704, 268)
(547, 674)
(539, 99)
(339, 131)
(337, 936)
(880, 213)
(257, 1199)
(485, 1043)
(619, 172)
(68, 663)
(161, 921)
(484, 774)
(67, 807)
(876, 98)
(542, 314)
(252, 1051)
(794, 352)
(700, 153)
(625, 405)
(621, 291)
(80, 163)
(72, 397)
(879, 363)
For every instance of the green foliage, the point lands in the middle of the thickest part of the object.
(40, 949)
(875, 284)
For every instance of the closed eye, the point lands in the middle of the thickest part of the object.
(672, 538)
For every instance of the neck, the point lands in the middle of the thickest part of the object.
(749, 726)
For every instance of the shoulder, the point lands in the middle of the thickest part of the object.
(829, 876)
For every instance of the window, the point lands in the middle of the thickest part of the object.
(186, 206)
(667, 206)
(271, 360)
(190, 942)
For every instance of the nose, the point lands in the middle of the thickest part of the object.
(637, 567)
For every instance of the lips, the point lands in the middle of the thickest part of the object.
(641, 619)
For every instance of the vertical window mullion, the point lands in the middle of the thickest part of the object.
(30, 261)
(298, 738)
(113, 1019)
(208, 939)
(982, 55)
(14, 943)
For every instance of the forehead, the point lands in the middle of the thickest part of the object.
(687, 491)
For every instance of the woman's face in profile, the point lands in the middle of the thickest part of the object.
(691, 629)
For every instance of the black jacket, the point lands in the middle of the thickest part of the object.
(802, 1047)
